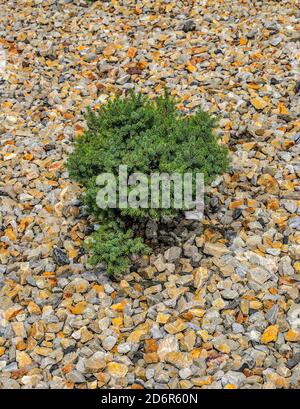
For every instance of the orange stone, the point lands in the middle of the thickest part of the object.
(151, 345)
(119, 306)
(136, 335)
(10, 234)
(273, 204)
(78, 308)
(12, 312)
(136, 386)
(230, 386)
(270, 334)
(292, 336)
(151, 358)
(236, 203)
(269, 183)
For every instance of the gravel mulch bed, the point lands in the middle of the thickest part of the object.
(220, 307)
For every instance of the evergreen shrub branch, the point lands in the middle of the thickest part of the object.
(148, 136)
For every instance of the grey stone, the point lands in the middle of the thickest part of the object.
(109, 342)
(229, 294)
(60, 256)
(75, 377)
(259, 275)
(189, 26)
(271, 315)
(122, 80)
(172, 254)
(276, 41)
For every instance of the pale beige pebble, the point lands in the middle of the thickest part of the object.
(189, 340)
(19, 329)
(175, 327)
(23, 359)
(215, 249)
(85, 335)
(96, 362)
(166, 345)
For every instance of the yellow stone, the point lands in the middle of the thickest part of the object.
(245, 306)
(2, 350)
(273, 204)
(78, 308)
(31, 343)
(20, 344)
(283, 109)
(255, 305)
(270, 184)
(230, 386)
(179, 359)
(197, 312)
(219, 303)
(297, 266)
(292, 336)
(10, 234)
(136, 335)
(190, 67)
(270, 334)
(117, 322)
(73, 253)
(44, 294)
(200, 241)
(258, 103)
(197, 353)
(200, 277)
(124, 284)
(184, 384)
(287, 185)
(23, 359)
(189, 340)
(176, 292)
(19, 329)
(151, 345)
(33, 308)
(207, 380)
(225, 349)
(162, 318)
(204, 335)
(175, 327)
(43, 351)
(119, 307)
(116, 369)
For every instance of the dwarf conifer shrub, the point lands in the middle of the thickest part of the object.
(147, 136)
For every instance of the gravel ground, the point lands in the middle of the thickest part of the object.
(220, 309)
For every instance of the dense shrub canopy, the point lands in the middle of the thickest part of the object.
(147, 136)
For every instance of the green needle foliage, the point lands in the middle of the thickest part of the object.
(148, 136)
